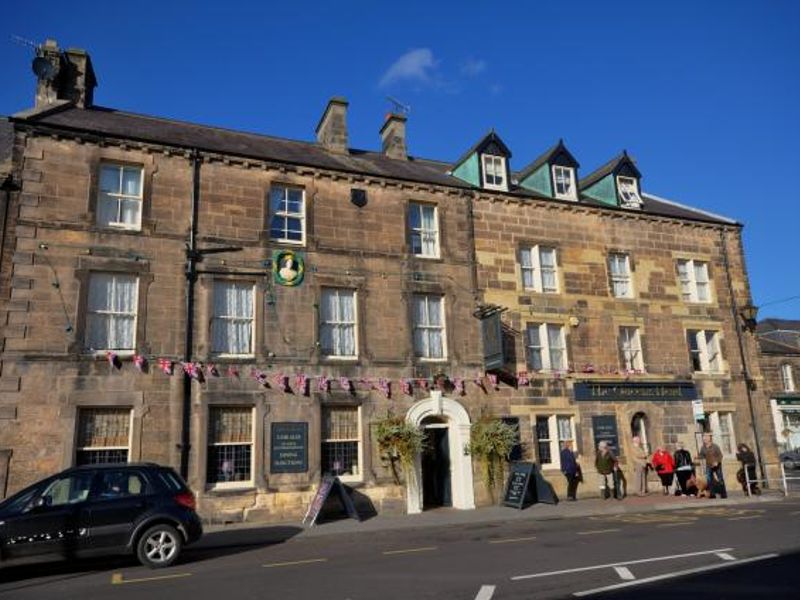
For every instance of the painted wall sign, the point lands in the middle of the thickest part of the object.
(288, 267)
(492, 332)
(698, 410)
(288, 448)
(594, 391)
(604, 428)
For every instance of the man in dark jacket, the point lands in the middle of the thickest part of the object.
(683, 467)
(570, 469)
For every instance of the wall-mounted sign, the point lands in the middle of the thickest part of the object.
(698, 410)
(604, 428)
(288, 267)
(288, 448)
(492, 331)
(594, 391)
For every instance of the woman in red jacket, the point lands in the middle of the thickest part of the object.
(665, 467)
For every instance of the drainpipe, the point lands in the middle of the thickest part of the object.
(740, 339)
(191, 280)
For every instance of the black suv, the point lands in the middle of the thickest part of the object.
(144, 509)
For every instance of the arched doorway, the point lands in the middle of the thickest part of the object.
(444, 471)
(639, 427)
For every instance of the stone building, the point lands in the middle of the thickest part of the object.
(246, 308)
(779, 342)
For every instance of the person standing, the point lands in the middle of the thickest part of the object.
(570, 469)
(605, 462)
(683, 468)
(712, 455)
(665, 468)
(745, 456)
(639, 467)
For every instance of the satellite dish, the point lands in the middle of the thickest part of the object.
(44, 69)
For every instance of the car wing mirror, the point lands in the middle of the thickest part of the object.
(43, 501)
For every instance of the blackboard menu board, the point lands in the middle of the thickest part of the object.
(330, 484)
(604, 428)
(288, 448)
(518, 488)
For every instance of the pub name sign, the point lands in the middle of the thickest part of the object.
(596, 391)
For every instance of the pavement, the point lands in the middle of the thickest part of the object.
(441, 517)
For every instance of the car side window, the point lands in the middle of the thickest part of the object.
(119, 484)
(68, 490)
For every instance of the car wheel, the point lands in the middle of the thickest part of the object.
(159, 546)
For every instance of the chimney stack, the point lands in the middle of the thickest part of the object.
(69, 76)
(393, 136)
(332, 127)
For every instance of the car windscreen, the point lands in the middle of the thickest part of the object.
(171, 480)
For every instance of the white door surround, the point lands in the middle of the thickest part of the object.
(458, 425)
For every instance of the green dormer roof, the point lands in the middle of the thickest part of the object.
(468, 167)
(538, 176)
(601, 185)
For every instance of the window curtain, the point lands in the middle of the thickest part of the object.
(534, 348)
(556, 348)
(547, 258)
(428, 231)
(233, 323)
(111, 312)
(527, 269)
(337, 317)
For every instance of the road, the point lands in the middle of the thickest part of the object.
(717, 552)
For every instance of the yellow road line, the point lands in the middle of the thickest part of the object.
(296, 562)
(676, 524)
(511, 540)
(593, 531)
(742, 518)
(117, 579)
(423, 549)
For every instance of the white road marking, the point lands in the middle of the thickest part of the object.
(620, 564)
(118, 579)
(295, 562)
(594, 531)
(627, 584)
(725, 556)
(624, 573)
(742, 518)
(485, 593)
(511, 540)
(425, 549)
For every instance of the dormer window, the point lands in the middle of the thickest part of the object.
(564, 182)
(494, 172)
(628, 192)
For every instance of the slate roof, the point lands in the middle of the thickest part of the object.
(130, 126)
(544, 158)
(769, 346)
(6, 146)
(779, 336)
(605, 169)
(491, 136)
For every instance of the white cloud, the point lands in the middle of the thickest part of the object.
(473, 67)
(416, 65)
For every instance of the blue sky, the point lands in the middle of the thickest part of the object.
(705, 95)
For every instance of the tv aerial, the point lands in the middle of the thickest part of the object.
(398, 107)
(42, 68)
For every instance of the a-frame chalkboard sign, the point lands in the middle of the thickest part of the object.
(328, 484)
(520, 488)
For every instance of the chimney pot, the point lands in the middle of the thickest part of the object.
(332, 127)
(74, 78)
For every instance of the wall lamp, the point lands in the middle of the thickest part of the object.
(749, 314)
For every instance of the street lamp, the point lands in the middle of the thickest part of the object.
(749, 313)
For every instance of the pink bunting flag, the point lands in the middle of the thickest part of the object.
(323, 383)
(345, 383)
(166, 366)
(260, 377)
(301, 383)
(460, 386)
(384, 386)
(405, 384)
(493, 380)
(523, 379)
(140, 362)
(233, 371)
(211, 370)
(113, 360)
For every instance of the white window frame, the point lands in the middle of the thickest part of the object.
(719, 422)
(628, 189)
(619, 279)
(340, 323)
(708, 350)
(215, 318)
(429, 235)
(94, 276)
(425, 327)
(630, 343)
(360, 445)
(286, 214)
(691, 285)
(545, 350)
(233, 484)
(119, 196)
(491, 164)
(555, 440)
(84, 411)
(531, 268)
(787, 377)
(559, 173)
